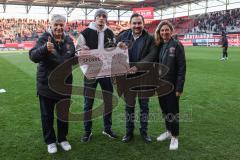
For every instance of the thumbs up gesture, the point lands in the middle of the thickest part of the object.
(50, 45)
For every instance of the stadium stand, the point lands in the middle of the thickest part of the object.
(216, 22)
(18, 30)
(23, 33)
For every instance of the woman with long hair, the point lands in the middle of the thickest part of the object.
(171, 53)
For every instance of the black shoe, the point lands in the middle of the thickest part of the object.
(127, 138)
(109, 133)
(146, 138)
(86, 137)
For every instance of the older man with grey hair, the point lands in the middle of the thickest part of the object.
(52, 49)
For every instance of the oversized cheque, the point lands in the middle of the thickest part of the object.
(99, 63)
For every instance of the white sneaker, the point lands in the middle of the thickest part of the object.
(52, 148)
(173, 144)
(65, 145)
(222, 59)
(164, 136)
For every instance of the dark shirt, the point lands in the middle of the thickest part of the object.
(135, 51)
(224, 41)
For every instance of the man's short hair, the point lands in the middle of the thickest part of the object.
(58, 17)
(136, 15)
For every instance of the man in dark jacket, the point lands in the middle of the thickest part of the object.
(97, 36)
(52, 49)
(139, 43)
(224, 46)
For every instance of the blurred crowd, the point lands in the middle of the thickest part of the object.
(18, 30)
(217, 22)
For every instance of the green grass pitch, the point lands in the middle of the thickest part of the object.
(210, 110)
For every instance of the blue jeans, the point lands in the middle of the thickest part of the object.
(89, 95)
(130, 99)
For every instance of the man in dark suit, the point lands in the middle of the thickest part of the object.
(140, 44)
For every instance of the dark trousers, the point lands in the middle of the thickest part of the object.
(89, 94)
(47, 106)
(225, 54)
(170, 111)
(130, 100)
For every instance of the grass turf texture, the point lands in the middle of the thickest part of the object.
(210, 108)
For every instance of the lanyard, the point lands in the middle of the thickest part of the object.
(163, 53)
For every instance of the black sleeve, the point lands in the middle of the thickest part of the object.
(119, 38)
(152, 55)
(39, 52)
(73, 50)
(72, 47)
(181, 67)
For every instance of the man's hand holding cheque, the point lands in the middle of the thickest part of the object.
(83, 51)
